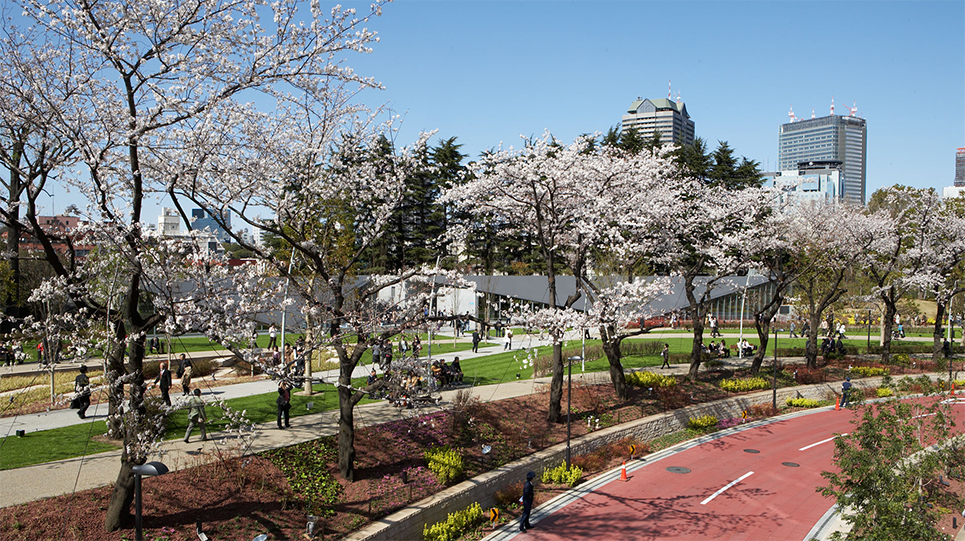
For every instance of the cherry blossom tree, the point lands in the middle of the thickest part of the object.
(143, 77)
(571, 200)
(334, 193)
(922, 249)
(828, 238)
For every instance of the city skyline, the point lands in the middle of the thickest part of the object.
(487, 73)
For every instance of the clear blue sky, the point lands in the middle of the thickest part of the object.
(487, 72)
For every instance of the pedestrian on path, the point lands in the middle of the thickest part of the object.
(284, 403)
(475, 341)
(527, 501)
(845, 392)
(272, 336)
(163, 381)
(185, 374)
(82, 388)
(666, 356)
(509, 339)
(196, 416)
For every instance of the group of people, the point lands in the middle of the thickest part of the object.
(447, 374)
(718, 350)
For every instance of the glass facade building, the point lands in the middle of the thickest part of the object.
(842, 138)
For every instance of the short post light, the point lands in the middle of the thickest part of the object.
(150, 469)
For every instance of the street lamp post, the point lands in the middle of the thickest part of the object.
(151, 469)
(569, 395)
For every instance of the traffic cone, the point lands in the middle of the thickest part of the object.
(623, 473)
(837, 403)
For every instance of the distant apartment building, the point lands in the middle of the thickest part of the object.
(169, 223)
(661, 115)
(829, 138)
(810, 181)
(960, 167)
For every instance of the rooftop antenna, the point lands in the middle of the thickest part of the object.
(790, 114)
(812, 112)
(832, 105)
(853, 110)
(668, 90)
(678, 96)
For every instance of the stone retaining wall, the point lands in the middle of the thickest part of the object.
(408, 523)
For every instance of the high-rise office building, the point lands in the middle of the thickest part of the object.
(663, 116)
(834, 137)
(960, 167)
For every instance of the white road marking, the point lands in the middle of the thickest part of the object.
(820, 442)
(728, 485)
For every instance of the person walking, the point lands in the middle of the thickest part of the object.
(82, 388)
(527, 501)
(196, 416)
(793, 328)
(845, 392)
(163, 381)
(272, 336)
(185, 374)
(284, 404)
(475, 341)
(666, 356)
(509, 338)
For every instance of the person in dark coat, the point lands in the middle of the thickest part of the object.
(845, 392)
(82, 388)
(163, 381)
(284, 404)
(527, 501)
(475, 341)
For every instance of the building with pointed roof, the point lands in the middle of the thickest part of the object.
(666, 117)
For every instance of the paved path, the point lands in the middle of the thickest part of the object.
(744, 484)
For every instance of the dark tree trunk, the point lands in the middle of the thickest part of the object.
(888, 323)
(119, 507)
(115, 394)
(937, 337)
(611, 348)
(556, 386)
(811, 348)
(763, 330)
(697, 318)
(346, 432)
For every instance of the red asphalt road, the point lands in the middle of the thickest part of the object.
(774, 501)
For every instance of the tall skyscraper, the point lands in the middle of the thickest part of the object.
(663, 116)
(834, 137)
(960, 167)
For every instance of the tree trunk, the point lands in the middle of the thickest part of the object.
(697, 319)
(119, 507)
(937, 352)
(811, 348)
(556, 386)
(346, 433)
(115, 389)
(611, 348)
(763, 334)
(888, 323)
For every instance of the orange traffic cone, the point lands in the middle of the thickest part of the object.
(623, 473)
(837, 403)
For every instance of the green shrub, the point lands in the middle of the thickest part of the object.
(735, 385)
(702, 422)
(870, 371)
(803, 403)
(884, 391)
(445, 462)
(455, 525)
(650, 379)
(561, 476)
